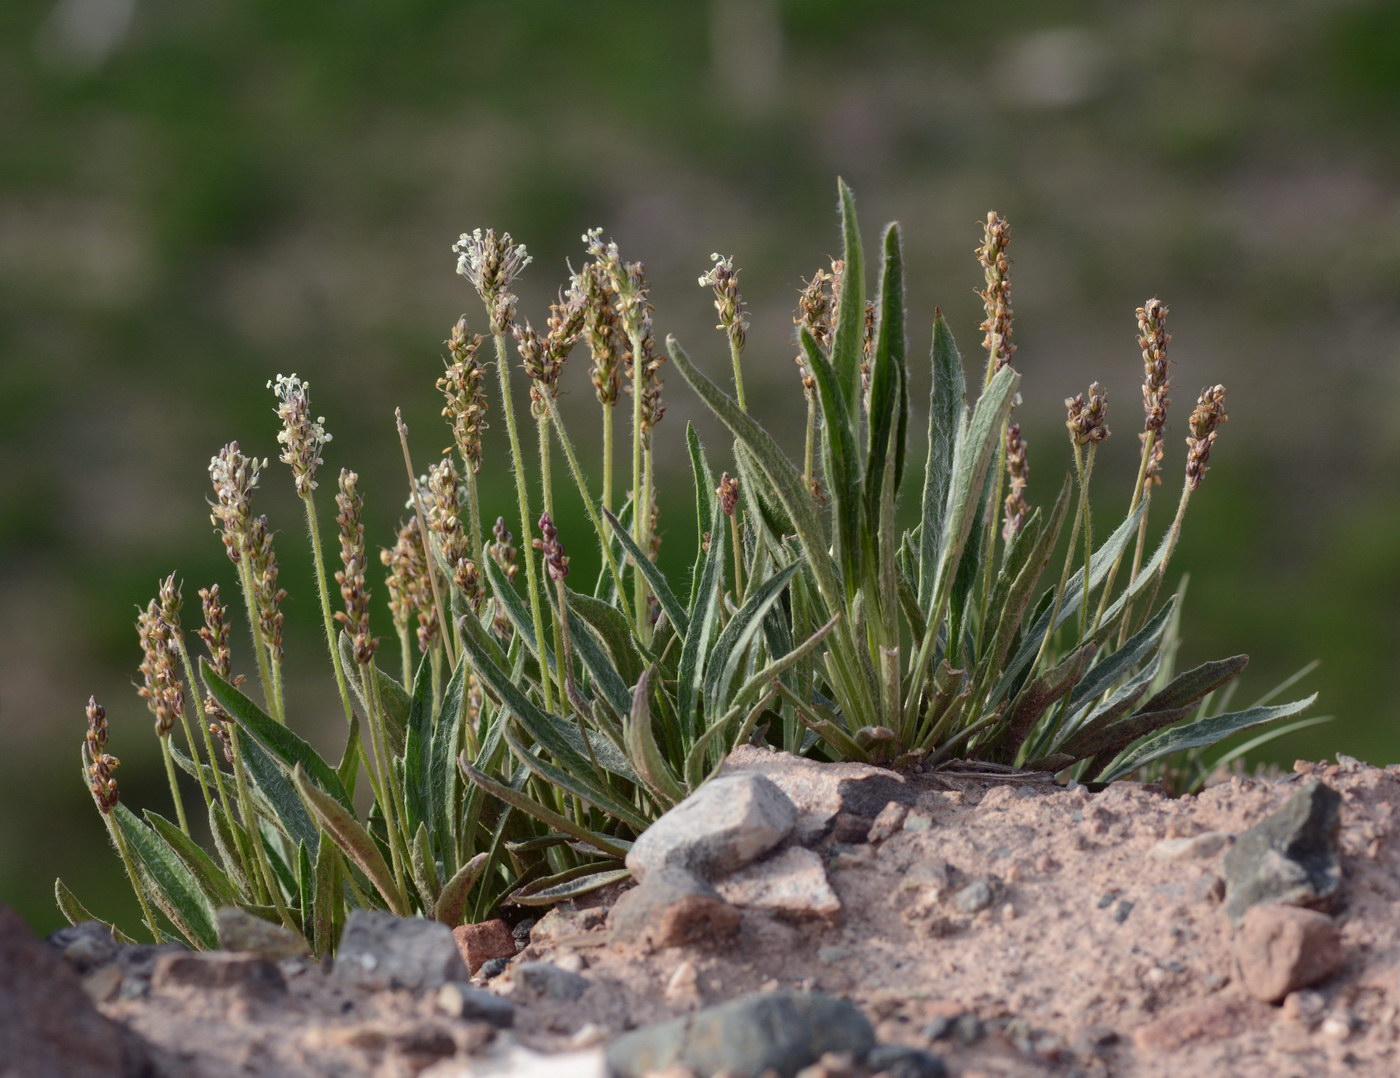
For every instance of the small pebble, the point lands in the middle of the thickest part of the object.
(493, 968)
(899, 1061)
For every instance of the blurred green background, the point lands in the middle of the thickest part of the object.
(196, 197)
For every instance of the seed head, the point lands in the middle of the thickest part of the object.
(1018, 473)
(461, 386)
(603, 331)
(631, 301)
(409, 588)
(996, 297)
(492, 262)
(100, 763)
(1086, 421)
(170, 602)
(301, 437)
(351, 578)
(444, 499)
(501, 551)
(551, 549)
(215, 634)
(234, 477)
(267, 596)
(1153, 339)
(729, 305)
(728, 492)
(816, 308)
(1208, 414)
(161, 687)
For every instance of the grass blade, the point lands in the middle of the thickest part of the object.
(849, 336)
(546, 816)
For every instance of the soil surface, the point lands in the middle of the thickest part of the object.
(1010, 927)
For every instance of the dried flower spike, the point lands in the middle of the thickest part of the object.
(996, 297)
(234, 477)
(444, 499)
(729, 305)
(161, 687)
(409, 589)
(100, 763)
(267, 596)
(1018, 473)
(501, 551)
(351, 578)
(728, 492)
(1208, 414)
(1087, 421)
(492, 262)
(301, 437)
(603, 331)
(551, 549)
(461, 386)
(1153, 339)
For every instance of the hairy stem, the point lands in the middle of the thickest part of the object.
(318, 557)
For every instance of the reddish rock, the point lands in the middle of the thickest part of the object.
(672, 908)
(1201, 1023)
(482, 942)
(1283, 948)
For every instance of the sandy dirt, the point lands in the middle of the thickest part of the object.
(1014, 928)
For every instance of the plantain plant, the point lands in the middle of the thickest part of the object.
(534, 724)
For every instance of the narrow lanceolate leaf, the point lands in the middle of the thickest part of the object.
(441, 778)
(417, 747)
(1041, 693)
(276, 738)
(452, 903)
(599, 665)
(273, 784)
(1198, 734)
(646, 755)
(704, 624)
(77, 913)
(1189, 687)
(556, 735)
(393, 697)
(785, 480)
(840, 460)
(733, 644)
(578, 784)
(654, 578)
(517, 799)
(325, 898)
(613, 630)
(520, 618)
(888, 399)
(557, 888)
(704, 483)
(947, 409)
(212, 880)
(849, 337)
(354, 841)
(423, 868)
(174, 887)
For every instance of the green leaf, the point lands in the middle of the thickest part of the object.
(354, 841)
(785, 480)
(77, 913)
(1107, 673)
(444, 745)
(849, 336)
(452, 903)
(840, 460)
(173, 886)
(889, 402)
(1189, 687)
(213, 881)
(733, 644)
(695, 648)
(423, 868)
(276, 738)
(393, 697)
(947, 412)
(576, 784)
(599, 665)
(520, 617)
(417, 745)
(569, 884)
(1198, 734)
(546, 816)
(279, 798)
(704, 483)
(1041, 693)
(613, 629)
(646, 755)
(655, 581)
(348, 770)
(326, 901)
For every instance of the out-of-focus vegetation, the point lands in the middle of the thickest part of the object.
(196, 197)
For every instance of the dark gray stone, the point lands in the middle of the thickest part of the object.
(493, 968)
(85, 946)
(379, 950)
(467, 1001)
(899, 1061)
(781, 1031)
(1291, 858)
(251, 976)
(550, 981)
(49, 1026)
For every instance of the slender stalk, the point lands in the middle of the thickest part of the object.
(314, 529)
(810, 447)
(738, 558)
(607, 461)
(405, 654)
(271, 889)
(203, 721)
(522, 495)
(474, 534)
(581, 483)
(1138, 494)
(174, 784)
(735, 356)
(245, 581)
(119, 840)
(1085, 470)
(393, 792)
(641, 512)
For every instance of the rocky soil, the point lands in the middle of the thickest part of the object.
(946, 923)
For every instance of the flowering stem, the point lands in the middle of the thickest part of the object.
(735, 353)
(250, 825)
(641, 512)
(1085, 470)
(423, 532)
(1139, 492)
(245, 580)
(320, 564)
(522, 496)
(203, 720)
(119, 840)
(174, 783)
(607, 466)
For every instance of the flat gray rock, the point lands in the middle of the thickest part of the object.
(792, 883)
(731, 820)
(1292, 857)
(379, 950)
(779, 1031)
